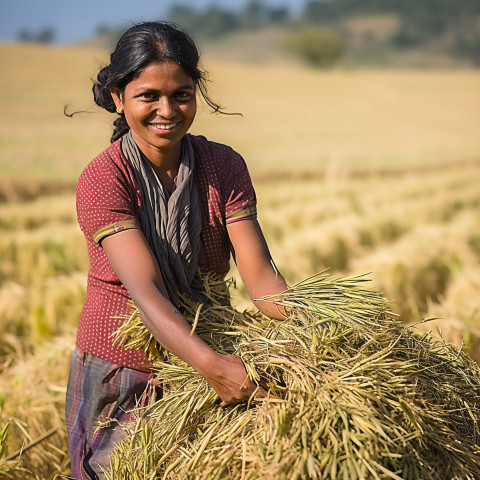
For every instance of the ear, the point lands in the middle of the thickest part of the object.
(117, 98)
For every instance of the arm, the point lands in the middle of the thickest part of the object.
(133, 262)
(255, 265)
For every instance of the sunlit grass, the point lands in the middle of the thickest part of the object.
(294, 119)
(298, 119)
(32, 397)
(355, 171)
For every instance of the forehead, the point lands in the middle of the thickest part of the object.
(161, 73)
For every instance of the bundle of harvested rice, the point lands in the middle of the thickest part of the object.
(353, 394)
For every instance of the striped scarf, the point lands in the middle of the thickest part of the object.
(171, 223)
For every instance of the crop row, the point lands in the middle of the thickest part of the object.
(417, 233)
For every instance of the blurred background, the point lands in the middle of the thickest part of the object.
(360, 126)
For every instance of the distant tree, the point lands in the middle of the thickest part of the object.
(185, 16)
(25, 35)
(319, 47)
(44, 35)
(253, 15)
(211, 23)
(467, 45)
(216, 21)
(277, 14)
(103, 29)
(323, 11)
(421, 22)
(257, 14)
(316, 11)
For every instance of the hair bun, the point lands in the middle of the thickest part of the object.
(101, 91)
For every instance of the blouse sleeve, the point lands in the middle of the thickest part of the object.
(105, 200)
(241, 202)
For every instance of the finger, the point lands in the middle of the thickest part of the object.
(261, 393)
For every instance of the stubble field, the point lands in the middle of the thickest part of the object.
(355, 171)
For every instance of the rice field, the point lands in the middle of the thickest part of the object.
(355, 171)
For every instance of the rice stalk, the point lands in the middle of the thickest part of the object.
(32, 403)
(352, 394)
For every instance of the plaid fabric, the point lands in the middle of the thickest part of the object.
(99, 390)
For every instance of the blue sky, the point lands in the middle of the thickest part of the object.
(74, 21)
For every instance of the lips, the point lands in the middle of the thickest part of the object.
(164, 126)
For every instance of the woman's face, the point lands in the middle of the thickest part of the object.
(159, 106)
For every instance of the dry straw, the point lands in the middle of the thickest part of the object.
(353, 394)
(33, 438)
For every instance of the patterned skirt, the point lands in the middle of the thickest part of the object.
(101, 392)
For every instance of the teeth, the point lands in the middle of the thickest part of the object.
(165, 127)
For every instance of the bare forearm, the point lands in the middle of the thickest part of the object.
(255, 265)
(134, 264)
(269, 282)
(225, 373)
(172, 330)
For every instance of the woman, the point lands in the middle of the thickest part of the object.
(158, 206)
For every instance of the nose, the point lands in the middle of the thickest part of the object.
(165, 107)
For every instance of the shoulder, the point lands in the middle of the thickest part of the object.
(106, 192)
(108, 166)
(107, 161)
(219, 166)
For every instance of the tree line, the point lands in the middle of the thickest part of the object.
(317, 33)
(421, 22)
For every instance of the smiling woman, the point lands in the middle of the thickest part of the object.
(160, 208)
(159, 116)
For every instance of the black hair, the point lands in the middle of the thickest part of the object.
(137, 48)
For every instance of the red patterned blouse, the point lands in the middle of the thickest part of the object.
(109, 201)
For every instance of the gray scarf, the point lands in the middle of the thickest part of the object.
(171, 223)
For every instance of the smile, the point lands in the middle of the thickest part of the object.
(164, 126)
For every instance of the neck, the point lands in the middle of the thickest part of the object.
(166, 177)
(165, 160)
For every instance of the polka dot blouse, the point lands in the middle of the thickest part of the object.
(109, 200)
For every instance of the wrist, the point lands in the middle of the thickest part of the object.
(207, 362)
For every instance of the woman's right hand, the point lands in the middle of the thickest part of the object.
(230, 380)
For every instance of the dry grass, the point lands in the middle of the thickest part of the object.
(32, 395)
(37, 83)
(354, 171)
(352, 394)
(21, 189)
(42, 273)
(419, 267)
(306, 120)
(303, 120)
(457, 315)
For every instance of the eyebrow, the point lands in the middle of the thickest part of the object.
(147, 88)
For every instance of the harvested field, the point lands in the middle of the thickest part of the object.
(355, 171)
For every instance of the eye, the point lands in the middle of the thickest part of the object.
(183, 96)
(148, 96)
